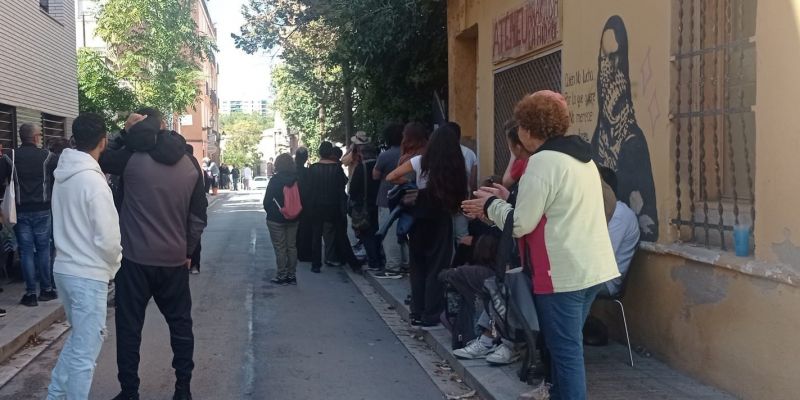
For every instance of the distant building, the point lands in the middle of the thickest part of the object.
(274, 141)
(245, 106)
(38, 68)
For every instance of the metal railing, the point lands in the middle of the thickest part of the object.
(713, 119)
(510, 85)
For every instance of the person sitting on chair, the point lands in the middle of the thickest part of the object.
(624, 231)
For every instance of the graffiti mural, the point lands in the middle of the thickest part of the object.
(619, 142)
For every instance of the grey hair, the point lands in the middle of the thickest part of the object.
(26, 133)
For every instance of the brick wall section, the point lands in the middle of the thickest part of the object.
(38, 67)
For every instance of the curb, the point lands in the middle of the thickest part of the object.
(439, 341)
(7, 350)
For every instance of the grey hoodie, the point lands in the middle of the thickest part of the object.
(85, 223)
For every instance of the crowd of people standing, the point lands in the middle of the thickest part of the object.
(575, 240)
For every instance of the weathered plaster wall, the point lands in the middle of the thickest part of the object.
(777, 227)
(726, 328)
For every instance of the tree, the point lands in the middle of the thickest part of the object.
(100, 90)
(390, 57)
(155, 47)
(242, 134)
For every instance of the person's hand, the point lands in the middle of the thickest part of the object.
(473, 208)
(188, 263)
(133, 119)
(496, 190)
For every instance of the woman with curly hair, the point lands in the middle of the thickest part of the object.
(442, 181)
(559, 216)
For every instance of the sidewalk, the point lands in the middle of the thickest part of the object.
(23, 323)
(609, 376)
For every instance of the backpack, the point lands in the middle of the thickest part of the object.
(292, 206)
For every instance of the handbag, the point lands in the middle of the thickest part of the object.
(359, 213)
(9, 205)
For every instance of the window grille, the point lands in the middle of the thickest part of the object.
(713, 121)
(510, 85)
(53, 127)
(8, 125)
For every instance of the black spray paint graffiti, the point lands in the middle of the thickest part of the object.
(618, 141)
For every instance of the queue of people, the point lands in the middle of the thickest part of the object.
(99, 198)
(574, 239)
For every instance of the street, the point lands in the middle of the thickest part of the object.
(318, 340)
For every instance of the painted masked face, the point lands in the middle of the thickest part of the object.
(614, 85)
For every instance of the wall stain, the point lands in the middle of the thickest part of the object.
(701, 285)
(787, 252)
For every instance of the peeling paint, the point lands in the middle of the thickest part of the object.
(786, 251)
(701, 285)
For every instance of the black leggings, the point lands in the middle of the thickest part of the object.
(431, 247)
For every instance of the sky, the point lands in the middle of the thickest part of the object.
(241, 76)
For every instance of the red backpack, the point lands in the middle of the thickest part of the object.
(292, 207)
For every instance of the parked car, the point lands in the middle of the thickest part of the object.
(259, 183)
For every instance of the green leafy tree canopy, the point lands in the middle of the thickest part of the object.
(242, 134)
(156, 48)
(100, 90)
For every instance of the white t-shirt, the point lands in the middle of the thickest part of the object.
(470, 159)
(248, 173)
(422, 180)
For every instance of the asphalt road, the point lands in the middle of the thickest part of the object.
(253, 340)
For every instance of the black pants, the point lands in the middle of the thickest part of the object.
(196, 256)
(372, 242)
(431, 248)
(333, 215)
(169, 286)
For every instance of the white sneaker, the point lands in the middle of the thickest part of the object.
(503, 355)
(473, 350)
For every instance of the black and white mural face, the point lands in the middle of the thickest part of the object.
(618, 141)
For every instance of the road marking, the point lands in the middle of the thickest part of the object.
(249, 355)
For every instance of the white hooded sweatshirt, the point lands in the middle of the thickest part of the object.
(85, 222)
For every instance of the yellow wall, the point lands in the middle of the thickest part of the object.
(736, 330)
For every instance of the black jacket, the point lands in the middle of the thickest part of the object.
(34, 177)
(163, 211)
(362, 181)
(275, 193)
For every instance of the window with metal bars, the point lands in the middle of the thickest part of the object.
(510, 86)
(53, 127)
(8, 126)
(714, 91)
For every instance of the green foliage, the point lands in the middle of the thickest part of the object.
(242, 134)
(393, 54)
(156, 48)
(100, 90)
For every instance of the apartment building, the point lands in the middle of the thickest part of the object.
(38, 72)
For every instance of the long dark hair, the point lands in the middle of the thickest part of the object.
(443, 163)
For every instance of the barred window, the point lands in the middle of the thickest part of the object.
(8, 124)
(510, 86)
(53, 127)
(714, 91)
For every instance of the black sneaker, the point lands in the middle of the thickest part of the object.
(374, 269)
(29, 300)
(386, 275)
(127, 396)
(3, 312)
(48, 295)
(291, 281)
(278, 281)
(316, 270)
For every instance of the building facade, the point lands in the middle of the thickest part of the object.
(38, 71)
(689, 101)
(245, 106)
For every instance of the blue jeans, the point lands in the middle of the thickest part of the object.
(85, 302)
(33, 238)
(561, 317)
